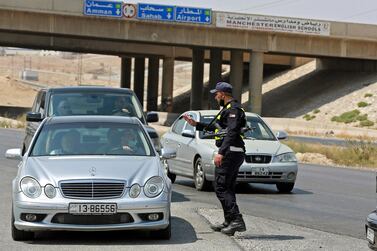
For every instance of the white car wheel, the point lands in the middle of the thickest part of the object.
(201, 183)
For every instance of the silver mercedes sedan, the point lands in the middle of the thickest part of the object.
(267, 159)
(90, 173)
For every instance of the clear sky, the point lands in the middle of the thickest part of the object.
(357, 11)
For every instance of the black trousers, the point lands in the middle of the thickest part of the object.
(225, 183)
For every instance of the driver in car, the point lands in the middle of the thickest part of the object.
(121, 108)
(131, 143)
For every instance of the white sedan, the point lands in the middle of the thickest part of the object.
(267, 159)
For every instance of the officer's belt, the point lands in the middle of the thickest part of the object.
(236, 149)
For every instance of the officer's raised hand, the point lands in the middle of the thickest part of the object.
(189, 119)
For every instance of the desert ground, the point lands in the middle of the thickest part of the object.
(291, 94)
(303, 99)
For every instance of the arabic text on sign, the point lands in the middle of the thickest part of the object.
(272, 24)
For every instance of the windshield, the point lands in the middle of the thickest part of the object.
(260, 130)
(118, 104)
(92, 138)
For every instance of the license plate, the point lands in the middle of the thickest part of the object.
(260, 171)
(370, 235)
(93, 208)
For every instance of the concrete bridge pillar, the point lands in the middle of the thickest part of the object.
(167, 84)
(125, 74)
(139, 73)
(214, 75)
(255, 82)
(197, 79)
(236, 73)
(152, 94)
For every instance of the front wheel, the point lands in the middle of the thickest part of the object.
(19, 235)
(171, 176)
(201, 183)
(285, 187)
(163, 234)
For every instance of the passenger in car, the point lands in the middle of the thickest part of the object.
(69, 144)
(63, 109)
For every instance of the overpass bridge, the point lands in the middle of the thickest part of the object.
(61, 25)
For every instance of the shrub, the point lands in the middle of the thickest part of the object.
(361, 152)
(347, 117)
(308, 117)
(367, 95)
(366, 123)
(362, 104)
(316, 111)
(355, 153)
(19, 122)
(362, 117)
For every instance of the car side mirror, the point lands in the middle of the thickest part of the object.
(13, 154)
(168, 153)
(281, 135)
(188, 134)
(34, 117)
(152, 117)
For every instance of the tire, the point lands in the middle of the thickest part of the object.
(285, 187)
(19, 235)
(171, 176)
(201, 183)
(163, 234)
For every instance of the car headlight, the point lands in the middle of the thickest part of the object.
(285, 157)
(30, 187)
(154, 186)
(135, 190)
(50, 191)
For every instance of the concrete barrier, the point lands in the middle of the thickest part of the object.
(13, 111)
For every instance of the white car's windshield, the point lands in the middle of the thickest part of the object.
(91, 138)
(259, 130)
(119, 104)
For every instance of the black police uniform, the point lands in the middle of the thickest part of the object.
(232, 147)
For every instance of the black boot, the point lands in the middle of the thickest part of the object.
(218, 226)
(236, 225)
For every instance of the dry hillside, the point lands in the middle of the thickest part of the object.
(320, 95)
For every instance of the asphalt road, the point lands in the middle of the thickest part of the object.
(329, 199)
(333, 200)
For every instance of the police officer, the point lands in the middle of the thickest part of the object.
(230, 155)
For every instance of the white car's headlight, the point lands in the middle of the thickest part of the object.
(135, 190)
(154, 186)
(30, 187)
(50, 191)
(285, 157)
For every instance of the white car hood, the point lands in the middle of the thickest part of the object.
(262, 147)
(272, 147)
(133, 169)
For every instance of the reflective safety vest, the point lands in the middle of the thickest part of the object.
(218, 117)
